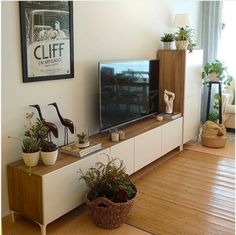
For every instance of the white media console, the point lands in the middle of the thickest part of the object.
(51, 191)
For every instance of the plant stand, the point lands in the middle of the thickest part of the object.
(209, 100)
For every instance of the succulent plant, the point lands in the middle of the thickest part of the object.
(168, 37)
(48, 146)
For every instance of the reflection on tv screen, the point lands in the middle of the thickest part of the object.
(128, 91)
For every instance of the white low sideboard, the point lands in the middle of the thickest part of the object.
(51, 191)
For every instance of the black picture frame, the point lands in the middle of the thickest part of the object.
(47, 40)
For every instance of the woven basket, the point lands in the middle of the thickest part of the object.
(112, 216)
(211, 139)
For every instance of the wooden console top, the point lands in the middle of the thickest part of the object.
(131, 130)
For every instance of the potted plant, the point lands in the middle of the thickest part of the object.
(30, 151)
(184, 39)
(49, 153)
(167, 39)
(111, 193)
(82, 138)
(216, 71)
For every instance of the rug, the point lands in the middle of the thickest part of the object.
(191, 193)
(227, 151)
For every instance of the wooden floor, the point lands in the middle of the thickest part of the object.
(190, 193)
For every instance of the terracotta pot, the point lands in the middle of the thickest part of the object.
(49, 158)
(213, 77)
(31, 159)
(181, 45)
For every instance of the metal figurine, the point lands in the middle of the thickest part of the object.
(68, 124)
(51, 126)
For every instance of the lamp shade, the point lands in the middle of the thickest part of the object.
(181, 20)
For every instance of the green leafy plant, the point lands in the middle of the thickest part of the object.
(213, 116)
(220, 69)
(168, 37)
(82, 138)
(48, 146)
(186, 34)
(38, 131)
(30, 145)
(110, 181)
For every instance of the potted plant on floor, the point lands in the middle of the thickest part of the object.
(184, 39)
(49, 153)
(111, 194)
(167, 40)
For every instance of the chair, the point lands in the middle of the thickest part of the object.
(228, 107)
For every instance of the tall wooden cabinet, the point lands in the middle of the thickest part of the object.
(180, 72)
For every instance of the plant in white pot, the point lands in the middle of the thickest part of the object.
(167, 40)
(111, 195)
(30, 151)
(49, 153)
(184, 39)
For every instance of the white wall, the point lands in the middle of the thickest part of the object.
(103, 30)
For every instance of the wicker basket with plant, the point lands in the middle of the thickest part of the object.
(111, 194)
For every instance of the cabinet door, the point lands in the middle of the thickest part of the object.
(171, 135)
(193, 75)
(103, 156)
(147, 148)
(125, 152)
(62, 189)
(192, 108)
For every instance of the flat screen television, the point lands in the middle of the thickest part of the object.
(129, 90)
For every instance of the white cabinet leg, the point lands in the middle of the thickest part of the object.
(43, 229)
(181, 147)
(12, 216)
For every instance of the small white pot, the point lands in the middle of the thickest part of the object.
(31, 159)
(181, 45)
(49, 158)
(167, 45)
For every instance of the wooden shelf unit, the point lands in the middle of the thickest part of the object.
(180, 72)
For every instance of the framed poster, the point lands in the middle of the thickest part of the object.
(47, 40)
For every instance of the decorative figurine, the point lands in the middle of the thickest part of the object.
(68, 124)
(51, 126)
(169, 98)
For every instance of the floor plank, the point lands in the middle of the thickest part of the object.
(191, 193)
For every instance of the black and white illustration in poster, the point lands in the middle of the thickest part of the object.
(47, 40)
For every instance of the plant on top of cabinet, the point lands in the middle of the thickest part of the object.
(167, 39)
(111, 194)
(184, 39)
(49, 153)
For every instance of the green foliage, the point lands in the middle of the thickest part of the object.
(220, 70)
(213, 116)
(186, 34)
(30, 145)
(168, 37)
(48, 146)
(82, 138)
(109, 181)
(39, 132)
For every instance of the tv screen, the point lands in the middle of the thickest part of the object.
(128, 91)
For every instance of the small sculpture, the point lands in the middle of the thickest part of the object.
(169, 98)
(52, 128)
(68, 124)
